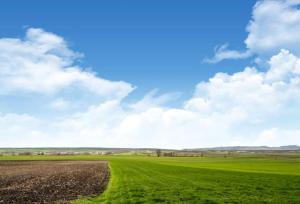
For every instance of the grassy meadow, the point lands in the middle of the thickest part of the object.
(247, 179)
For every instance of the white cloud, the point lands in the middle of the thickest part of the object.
(275, 25)
(222, 53)
(283, 66)
(42, 63)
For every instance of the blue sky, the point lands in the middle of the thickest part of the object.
(166, 74)
(151, 44)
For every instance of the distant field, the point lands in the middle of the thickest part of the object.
(255, 179)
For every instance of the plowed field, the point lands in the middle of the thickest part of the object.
(51, 181)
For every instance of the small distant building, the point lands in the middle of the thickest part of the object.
(169, 154)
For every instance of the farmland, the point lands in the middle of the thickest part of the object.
(48, 182)
(239, 179)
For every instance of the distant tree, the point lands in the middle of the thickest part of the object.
(158, 152)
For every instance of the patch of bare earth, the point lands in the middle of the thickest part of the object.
(51, 181)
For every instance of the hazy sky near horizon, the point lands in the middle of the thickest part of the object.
(172, 74)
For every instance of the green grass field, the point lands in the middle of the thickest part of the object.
(135, 179)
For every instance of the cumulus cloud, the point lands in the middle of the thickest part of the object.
(42, 63)
(275, 25)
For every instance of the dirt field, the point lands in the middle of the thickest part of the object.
(50, 181)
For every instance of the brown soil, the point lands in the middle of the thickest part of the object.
(50, 181)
